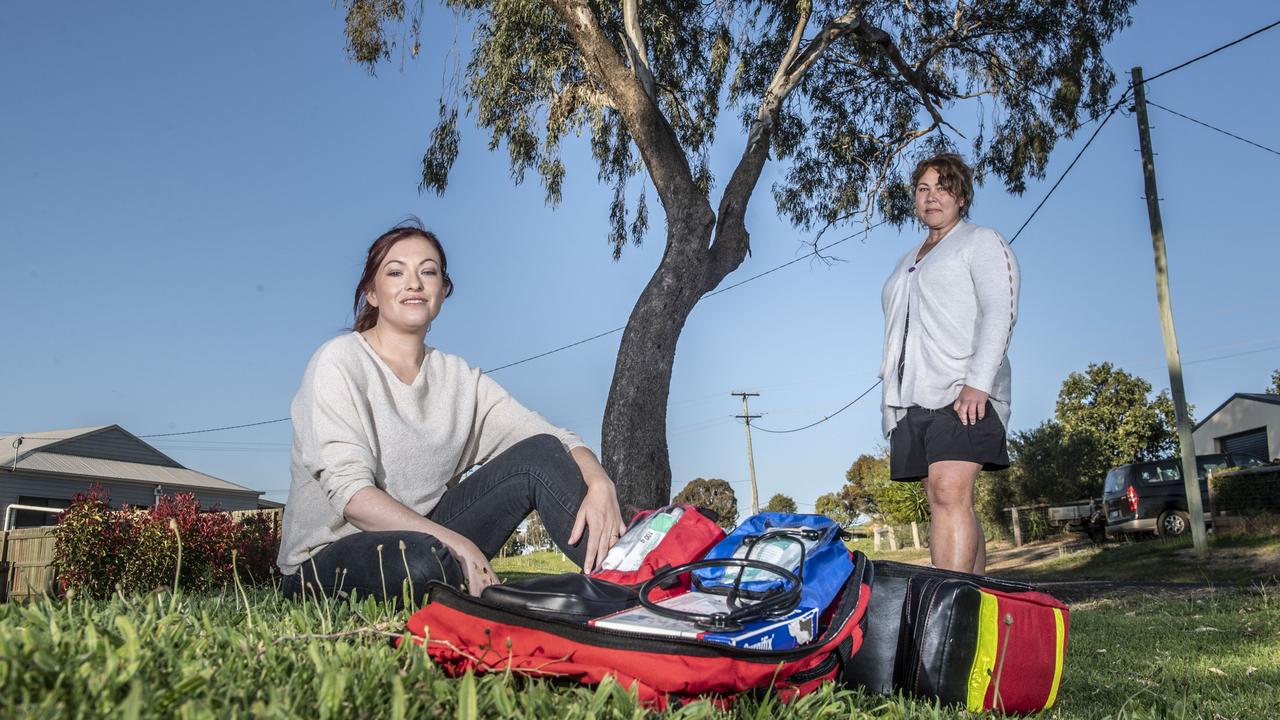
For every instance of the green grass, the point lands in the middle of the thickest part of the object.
(519, 567)
(1232, 559)
(1207, 653)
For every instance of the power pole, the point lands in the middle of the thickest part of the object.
(1174, 359)
(747, 417)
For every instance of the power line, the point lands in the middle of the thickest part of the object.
(1048, 195)
(811, 253)
(1214, 51)
(819, 422)
(217, 429)
(1076, 159)
(817, 251)
(1211, 127)
(1116, 106)
(814, 252)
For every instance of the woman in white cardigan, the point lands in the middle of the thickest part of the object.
(950, 306)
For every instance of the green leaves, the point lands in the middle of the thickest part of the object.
(1114, 407)
(715, 495)
(780, 503)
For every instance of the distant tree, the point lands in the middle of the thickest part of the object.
(715, 495)
(1275, 383)
(902, 502)
(514, 545)
(1114, 407)
(863, 476)
(834, 506)
(1052, 465)
(840, 96)
(535, 533)
(780, 503)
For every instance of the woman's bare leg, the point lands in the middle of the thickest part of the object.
(955, 536)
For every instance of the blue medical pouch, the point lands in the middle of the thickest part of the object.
(810, 546)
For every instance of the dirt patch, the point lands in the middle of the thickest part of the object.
(1006, 559)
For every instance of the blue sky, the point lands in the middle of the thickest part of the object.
(186, 191)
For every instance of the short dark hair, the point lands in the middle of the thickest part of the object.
(367, 315)
(954, 176)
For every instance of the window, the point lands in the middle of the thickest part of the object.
(35, 518)
(1115, 480)
(1242, 460)
(1208, 463)
(1156, 473)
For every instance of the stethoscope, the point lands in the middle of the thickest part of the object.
(773, 603)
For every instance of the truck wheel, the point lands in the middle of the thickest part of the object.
(1173, 523)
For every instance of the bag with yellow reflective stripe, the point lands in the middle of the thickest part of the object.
(978, 642)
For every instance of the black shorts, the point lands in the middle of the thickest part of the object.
(926, 436)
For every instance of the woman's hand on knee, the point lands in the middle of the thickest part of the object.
(474, 564)
(971, 405)
(599, 515)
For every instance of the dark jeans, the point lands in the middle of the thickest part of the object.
(486, 507)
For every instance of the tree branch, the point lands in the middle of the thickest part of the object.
(926, 90)
(731, 239)
(665, 159)
(637, 49)
(796, 36)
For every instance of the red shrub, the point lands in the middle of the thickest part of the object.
(99, 549)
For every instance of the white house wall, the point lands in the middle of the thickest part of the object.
(1238, 416)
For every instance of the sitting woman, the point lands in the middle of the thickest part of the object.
(384, 427)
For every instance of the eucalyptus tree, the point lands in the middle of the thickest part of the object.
(841, 95)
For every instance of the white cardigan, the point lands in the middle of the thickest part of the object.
(963, 302)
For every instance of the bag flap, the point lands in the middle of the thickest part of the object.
(570, 596)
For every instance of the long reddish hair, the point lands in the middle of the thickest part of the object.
(367, 315)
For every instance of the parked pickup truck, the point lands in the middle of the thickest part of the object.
(1081, 516)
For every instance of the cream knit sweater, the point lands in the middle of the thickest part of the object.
(357, 425)
(963, 301)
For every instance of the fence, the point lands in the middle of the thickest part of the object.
(1028, 523)
(27, 562)
(900, 537)
(26, 558)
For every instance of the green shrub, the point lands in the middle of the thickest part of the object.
(99, 549)
(1246, 491)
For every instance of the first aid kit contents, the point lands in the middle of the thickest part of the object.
(785, 550)
(772, 633)
(808, 546)
(641, 539)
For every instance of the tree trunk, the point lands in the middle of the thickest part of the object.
(634, 435)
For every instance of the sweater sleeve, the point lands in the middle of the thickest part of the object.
(336, 447)
(501, 421)
(996, 282)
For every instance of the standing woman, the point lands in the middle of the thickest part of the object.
(949, 310)
(384, 426)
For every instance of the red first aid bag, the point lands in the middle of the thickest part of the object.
(462, 633)
(980, 642)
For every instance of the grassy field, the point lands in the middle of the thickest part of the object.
(1206, 652)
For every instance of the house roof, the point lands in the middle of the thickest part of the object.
(1270, 398)
(78, 452)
